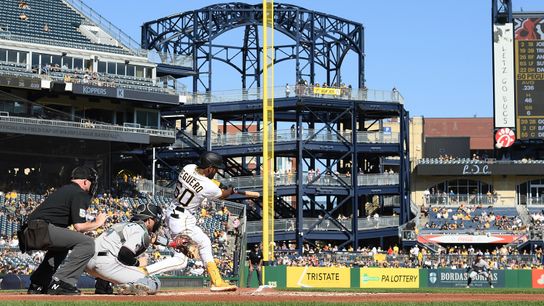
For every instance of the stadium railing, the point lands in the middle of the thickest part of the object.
(473, 199)
(324, 224)
(66, 44)
(434, 161)
(281, 92)
(88, 125)
(364, 259)
(232, 139)
(286, 179)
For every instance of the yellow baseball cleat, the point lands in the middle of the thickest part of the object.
(223, 287)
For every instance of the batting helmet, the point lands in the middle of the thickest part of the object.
(210, 159)
(86, 173)
(149, 211)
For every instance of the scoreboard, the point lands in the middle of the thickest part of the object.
(529, 76)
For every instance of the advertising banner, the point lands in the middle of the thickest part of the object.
(318, 277)
(503, 75)
(122, 93)
(326, 91)
(465, 238)
(538, 278)
(389, 278)
(458, 278)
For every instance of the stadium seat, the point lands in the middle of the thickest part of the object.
(63, 23)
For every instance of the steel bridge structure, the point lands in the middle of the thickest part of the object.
(342, 133)
(319, 41)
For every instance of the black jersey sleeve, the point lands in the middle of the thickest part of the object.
(78, 207)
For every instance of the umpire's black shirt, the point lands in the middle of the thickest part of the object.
(64, 207)
(255, 256)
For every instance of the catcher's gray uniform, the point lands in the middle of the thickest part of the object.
(105, 265)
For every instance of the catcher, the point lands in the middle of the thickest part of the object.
(118, 253)
(479, 267)
(194, 185)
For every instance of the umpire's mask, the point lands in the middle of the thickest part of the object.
(86, 173)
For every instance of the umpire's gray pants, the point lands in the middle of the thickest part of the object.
(256, 268)
(68, 268)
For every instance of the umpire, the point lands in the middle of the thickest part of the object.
(255, 264)
(46, 229)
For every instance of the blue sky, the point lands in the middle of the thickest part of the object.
(437, 53)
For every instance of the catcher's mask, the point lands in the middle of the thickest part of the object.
(149, 211)
(86, 173)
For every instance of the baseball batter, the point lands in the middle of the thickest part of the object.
(193, 187)
(117, 253)
(479, 267)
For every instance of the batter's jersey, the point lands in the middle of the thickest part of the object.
(192, 188)
(132, 235)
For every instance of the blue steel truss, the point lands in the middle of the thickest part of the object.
(502, 11)
(319, 40)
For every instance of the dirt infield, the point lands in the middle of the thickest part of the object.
(270, 295)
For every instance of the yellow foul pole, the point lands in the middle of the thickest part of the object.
(268, 132)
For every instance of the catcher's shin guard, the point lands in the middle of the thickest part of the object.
(218, 284)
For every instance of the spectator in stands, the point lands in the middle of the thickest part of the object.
(46, 27)
(23, 17)
(23, 5)
(394, 94)
(287, 90)
(197, 269)
(14, 243)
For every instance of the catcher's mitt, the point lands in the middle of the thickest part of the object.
(184, 244)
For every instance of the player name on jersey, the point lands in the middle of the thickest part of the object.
(192, 181)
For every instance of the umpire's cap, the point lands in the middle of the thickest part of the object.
(210, 159)
(149, 211)
(86, 173)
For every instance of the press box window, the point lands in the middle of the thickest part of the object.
(147, 118)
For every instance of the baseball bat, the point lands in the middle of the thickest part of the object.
(250, 194)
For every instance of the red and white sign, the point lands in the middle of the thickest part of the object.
(538, 278)
(464, 238)
(504, 138)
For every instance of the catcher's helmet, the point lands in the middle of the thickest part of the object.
(149, 211)
(86, 173)
(210, 159)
